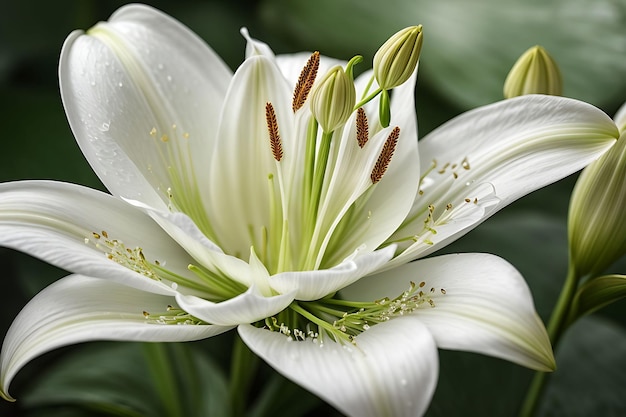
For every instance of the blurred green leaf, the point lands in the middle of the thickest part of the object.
(590, 379)
(469, 46)
(282, 397)
(127, 379)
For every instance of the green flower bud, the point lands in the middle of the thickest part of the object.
(396, 60)
(535, 72)
(597, 221)
(333, 99)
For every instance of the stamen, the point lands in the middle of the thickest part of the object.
(362, 128)
(172, 315)
(272, 127)
(116, 251)
(385, 156)
(305, 81)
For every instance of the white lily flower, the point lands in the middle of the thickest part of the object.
(229, 209)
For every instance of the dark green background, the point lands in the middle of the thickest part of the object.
(469, 47)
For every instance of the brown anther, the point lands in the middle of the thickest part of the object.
(476, 201)
(448, 206)
(465, 163)
(146, 314)
(385, 155)
(272, 128)
(455, 175)
(105, 234)
(467, 200)
(443, 291)
(362, 128)
(95, 235)
(305, 81)
(422, 284)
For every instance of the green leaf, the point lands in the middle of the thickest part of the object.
(590, 378)
(281, 397)
(132, 379)
(597, 293)
(467, 59)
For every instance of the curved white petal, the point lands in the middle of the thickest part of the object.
(245, 308)
(437, 232)
(143, 70)
(78, 309)
(184, 231)
(392, 370)
(255, 46)
(56, 222)
(487, 306)
(386, 204)
(243, 160)
(516, 146)
(313, 285)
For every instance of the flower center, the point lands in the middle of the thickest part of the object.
(341, 320)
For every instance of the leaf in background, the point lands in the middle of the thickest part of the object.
(591, 376)
(132, 379)
(470, 46)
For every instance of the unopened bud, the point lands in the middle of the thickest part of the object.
(597, 222)
(333, 99)
(535, 72)
(396, 60)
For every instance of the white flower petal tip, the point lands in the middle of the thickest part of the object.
(392, 369)
(78, 309)
(254, 46)
(481, 304)
(248, 307)
(120, 84)
(313, 285)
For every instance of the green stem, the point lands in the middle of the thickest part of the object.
(368, 98)
(556, 327)
(243, 367)
(163, 377)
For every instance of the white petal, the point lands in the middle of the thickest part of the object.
(243, 160)
(255, 46)
(78, 309)
(248, 307)
(51, 220)
(313, 285)
(487, 306)
(516, 146)
(391, 199)
(139, 71)
(392, 370)
(182, 229)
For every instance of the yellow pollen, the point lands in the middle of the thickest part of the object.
(153, 132)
